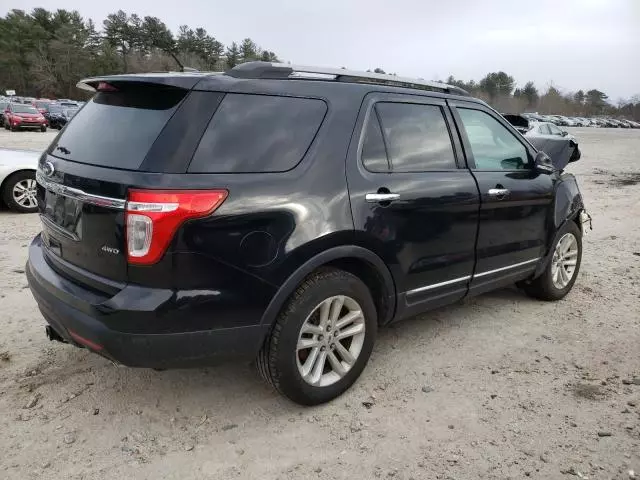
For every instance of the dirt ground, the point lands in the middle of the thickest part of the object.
(499, 386)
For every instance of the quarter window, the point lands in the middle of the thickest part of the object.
(374, 154)
(493, 146)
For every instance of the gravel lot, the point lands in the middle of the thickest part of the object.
(499, 386)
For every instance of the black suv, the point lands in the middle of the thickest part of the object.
(284, 214)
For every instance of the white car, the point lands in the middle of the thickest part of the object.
(548, 128)
(18, 179)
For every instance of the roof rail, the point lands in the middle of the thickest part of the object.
(267, 70)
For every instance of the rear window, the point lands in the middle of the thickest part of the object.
(258, 133)
(117, 129)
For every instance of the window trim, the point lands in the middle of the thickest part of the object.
(471, 162)
(374, 98)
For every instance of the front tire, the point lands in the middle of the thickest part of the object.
(43, 129)
(562, 270)
(19, 192)
(322, 339)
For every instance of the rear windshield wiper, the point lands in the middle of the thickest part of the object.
(64, 150)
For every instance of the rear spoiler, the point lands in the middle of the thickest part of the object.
(186, 80)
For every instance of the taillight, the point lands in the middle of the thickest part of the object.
(154, 216)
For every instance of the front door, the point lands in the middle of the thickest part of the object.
(413, 201)
(515, 210)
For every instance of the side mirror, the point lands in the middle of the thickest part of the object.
(543, 163)
(565, 133)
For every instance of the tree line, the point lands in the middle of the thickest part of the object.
(500, 90)
(45, 53)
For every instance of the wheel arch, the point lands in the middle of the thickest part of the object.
(567, 206)
(359, 261)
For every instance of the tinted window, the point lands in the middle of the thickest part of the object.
(493, 146)
(417, 137)
(117, 129)
(374, 154)
(258, 133)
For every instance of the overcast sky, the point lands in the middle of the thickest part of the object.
(576, 44)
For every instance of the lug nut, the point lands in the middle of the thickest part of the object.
(323, 348)
(320, 337)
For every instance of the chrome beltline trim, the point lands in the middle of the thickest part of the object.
(438, 285)
(76, 193)
(469, 277)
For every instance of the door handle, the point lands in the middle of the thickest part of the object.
(499, 193)
(381, 197)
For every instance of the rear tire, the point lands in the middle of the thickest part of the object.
(324, 370)
(43, 129)
(562, 270)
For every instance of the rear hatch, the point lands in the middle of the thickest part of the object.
(84, 176)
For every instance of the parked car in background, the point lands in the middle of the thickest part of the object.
(3, 106)
(41, 105)
(58, 114)
(61, 115)
(360, 199)
(18, 179)
(24, 117)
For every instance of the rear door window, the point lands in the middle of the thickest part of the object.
(258, 133)
(417, 137)
(117, 128)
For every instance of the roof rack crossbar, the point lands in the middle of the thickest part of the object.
(285, 71)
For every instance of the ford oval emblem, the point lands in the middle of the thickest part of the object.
(48, 169)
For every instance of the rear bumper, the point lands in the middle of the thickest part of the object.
(86, 319)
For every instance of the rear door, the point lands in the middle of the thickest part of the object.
(411, 202)
(516, 201)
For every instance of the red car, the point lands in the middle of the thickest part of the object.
(18, 116)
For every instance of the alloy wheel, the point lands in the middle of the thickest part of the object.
(24, 193)
(563, 263)
(330, 341)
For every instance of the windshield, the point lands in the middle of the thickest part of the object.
(23, 109)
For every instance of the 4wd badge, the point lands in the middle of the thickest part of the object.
(113, 251)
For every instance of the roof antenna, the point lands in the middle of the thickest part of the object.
(180, 65)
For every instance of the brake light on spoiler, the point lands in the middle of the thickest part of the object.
(153, 217)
